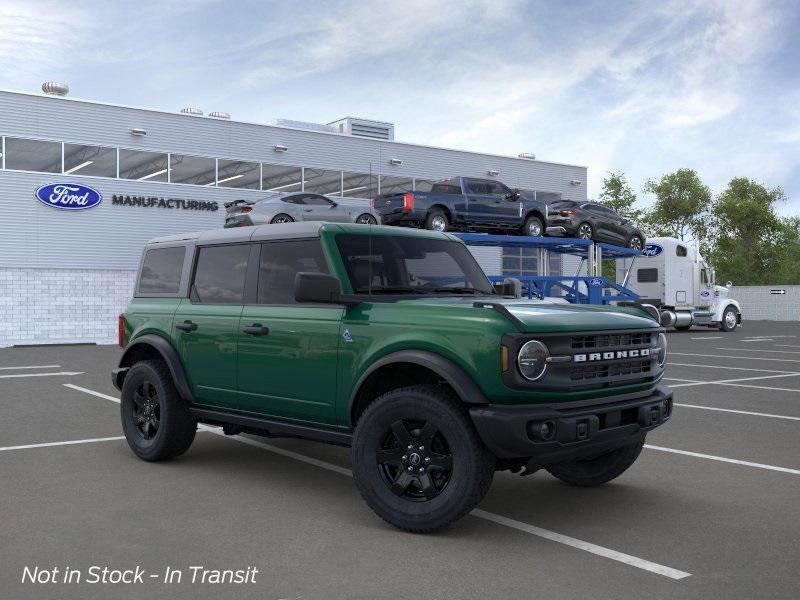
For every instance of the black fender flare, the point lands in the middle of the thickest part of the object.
(535, 211)
(168, 354)
(463, 385)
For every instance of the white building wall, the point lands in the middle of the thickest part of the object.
(759, 303)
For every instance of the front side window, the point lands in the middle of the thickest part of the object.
(280, 264)
(33, 155)
(161, 271)
(219, 275)
(478, 187)
(400, 264)
(680, 251)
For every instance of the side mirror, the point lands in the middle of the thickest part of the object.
(510, 286)
(321, 288)
(334, 204)
(514, 195)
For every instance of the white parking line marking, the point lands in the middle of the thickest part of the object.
(748, 358)
(707, 337)
(684, 380)
(31, 367)
(581, 545)
(67, 443)
(17, 375)
(673, 364)
(723, 459)
(92, 392)
(481, 514)
(762, 387)
(741, 412)
(760, 350)
(734, 381)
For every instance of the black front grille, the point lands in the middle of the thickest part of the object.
(609, 341)
(601, 371)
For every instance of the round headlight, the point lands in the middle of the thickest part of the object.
(532, 360)
(661, 349)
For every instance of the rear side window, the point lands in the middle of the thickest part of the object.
(281, 262)
(647, 275)
(161, 271)
(219, 275)
(446, 187)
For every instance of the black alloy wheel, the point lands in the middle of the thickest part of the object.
(366, 219)
(147, 410)
(635, 243)
(585, 231)
(415, 460)
(282, 218)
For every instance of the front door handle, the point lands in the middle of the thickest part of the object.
(308, 209)
(256, 329)
(186, 326)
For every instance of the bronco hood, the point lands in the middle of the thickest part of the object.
(547, 317)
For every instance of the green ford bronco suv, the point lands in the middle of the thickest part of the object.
(392, 342)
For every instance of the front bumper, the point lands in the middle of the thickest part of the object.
(584, 431)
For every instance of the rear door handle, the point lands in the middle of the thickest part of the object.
(186, 326)
(256, 329)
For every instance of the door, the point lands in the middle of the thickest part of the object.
(207, 323)
(319, 208)
(604, 228)
(705, 291)
(480, 201)
(505, 206)
(288, 352)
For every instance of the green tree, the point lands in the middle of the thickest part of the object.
(618, 195)
(751, 244)
(681, 206)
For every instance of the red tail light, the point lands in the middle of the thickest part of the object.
(121, 330)
(246, 209)
(373, 203)
(570, 211)
(408, 202)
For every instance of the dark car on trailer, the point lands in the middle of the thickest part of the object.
(593, 221)
(465, 204)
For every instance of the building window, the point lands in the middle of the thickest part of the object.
(143, 166)
(279, 178)
(90, 160)
(359, 185)
(195, 170)
(423, 185)
(396, 185)
(238, 174)
(33, 155)
(325, 182)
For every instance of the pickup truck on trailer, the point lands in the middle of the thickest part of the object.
(466, 204)
(393, 342)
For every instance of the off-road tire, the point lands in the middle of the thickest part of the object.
(599, 470)
(723, 326)
(433, 216)
(282, 218)
(531, 222)
(472, 465)
(176, 426)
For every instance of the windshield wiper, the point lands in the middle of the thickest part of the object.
(389, 290)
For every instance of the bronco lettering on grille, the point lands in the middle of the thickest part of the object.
(599, 356)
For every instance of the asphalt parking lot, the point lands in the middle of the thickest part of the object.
(710, 510)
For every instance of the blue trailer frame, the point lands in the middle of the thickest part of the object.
(578, 289)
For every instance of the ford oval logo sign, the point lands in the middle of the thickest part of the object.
(652, 250)
(68, 196)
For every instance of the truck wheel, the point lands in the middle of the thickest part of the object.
(156, 421)
(585, 231)
(729, 320)
(436, 220)
(598, 470)
(533, 227)
(282, 218)
(418, 461)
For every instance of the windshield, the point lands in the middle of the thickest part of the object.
(410, 265)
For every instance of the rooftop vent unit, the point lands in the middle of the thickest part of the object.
(303, 125)
(192, 110)
(527, 155)
(53, 88)
(493, 172)
(219, 115)
(376, 130)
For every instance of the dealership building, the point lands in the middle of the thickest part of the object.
(65, 275)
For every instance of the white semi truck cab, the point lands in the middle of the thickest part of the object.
(673, 277)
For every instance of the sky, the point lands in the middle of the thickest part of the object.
(639, 87)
